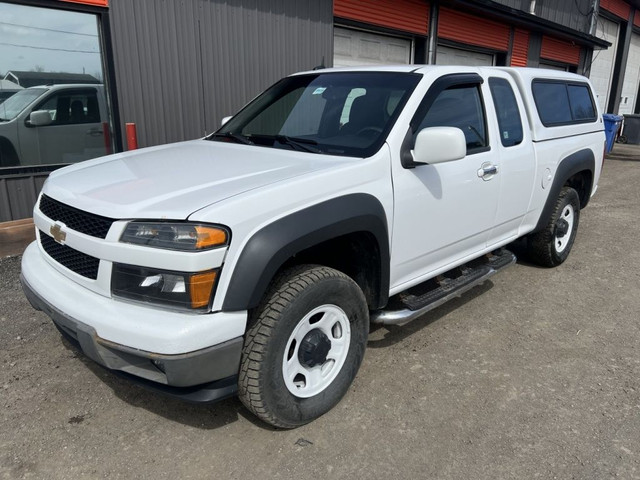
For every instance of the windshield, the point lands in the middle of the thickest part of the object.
(12, 106)
(335, 113)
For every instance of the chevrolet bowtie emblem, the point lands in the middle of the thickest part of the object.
(58, 235)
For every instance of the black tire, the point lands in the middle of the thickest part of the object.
(292, 297)
(551, 246)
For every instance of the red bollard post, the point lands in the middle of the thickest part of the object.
(132, 136)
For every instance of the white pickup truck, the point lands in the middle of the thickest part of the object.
(252, 261)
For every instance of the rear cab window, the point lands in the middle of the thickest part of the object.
(507, 111)
(561, 102)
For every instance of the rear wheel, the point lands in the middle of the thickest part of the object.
(551, 246)
(304, 346)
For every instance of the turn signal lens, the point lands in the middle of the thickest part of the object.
(207, 237)
(200, 288)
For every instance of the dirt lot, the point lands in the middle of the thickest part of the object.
(535, 374)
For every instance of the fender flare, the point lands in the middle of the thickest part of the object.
(568, 167)
(269, 248)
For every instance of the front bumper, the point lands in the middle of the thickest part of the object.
(208, 374)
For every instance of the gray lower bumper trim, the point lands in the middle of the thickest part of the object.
(220, 362)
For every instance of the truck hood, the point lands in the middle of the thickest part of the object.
(173, 181)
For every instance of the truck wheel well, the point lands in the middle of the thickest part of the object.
(8, 156)
(356, 255)
(581, 182)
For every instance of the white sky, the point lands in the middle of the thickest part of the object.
(55, 40)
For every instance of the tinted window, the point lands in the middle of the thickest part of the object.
(581, 102)
(459, 107)
(507, 111)
(562, 103)
(552, 102)
(72, 107)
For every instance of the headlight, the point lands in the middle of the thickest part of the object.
(181, 290)
(175, 236)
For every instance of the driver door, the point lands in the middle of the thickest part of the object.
(445, 212)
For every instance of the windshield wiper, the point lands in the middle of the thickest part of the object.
(234, 136)
(302, 144)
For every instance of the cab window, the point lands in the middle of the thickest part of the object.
(72, 107)
(509, 120)
(459, 106)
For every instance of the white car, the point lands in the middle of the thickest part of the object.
(252, 261)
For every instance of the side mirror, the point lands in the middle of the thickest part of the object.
(40, 118)
(225, 120)
(439, 145)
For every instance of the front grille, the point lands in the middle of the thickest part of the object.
(83, 222)
(76, 261)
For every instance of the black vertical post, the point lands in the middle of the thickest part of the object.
(620, 65)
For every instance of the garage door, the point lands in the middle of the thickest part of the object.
(456, 56)
(354, 47)
(602, 61)
(631, 76)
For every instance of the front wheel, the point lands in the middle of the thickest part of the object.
(304, 346)
(551, 246)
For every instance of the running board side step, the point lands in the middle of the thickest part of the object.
(417, 301)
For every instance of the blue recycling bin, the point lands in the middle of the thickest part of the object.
(611, 125)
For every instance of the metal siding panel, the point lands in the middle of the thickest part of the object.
(574, 14)
(18, 195)
(183, 65)
(406, 15)
(559, 50)
(259, 46)
(520, 50)
(5, 207)
(469, 29)
(516, 4)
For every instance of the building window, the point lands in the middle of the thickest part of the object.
(53, 108)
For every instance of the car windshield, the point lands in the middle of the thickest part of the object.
(335, 113)
(12, 106)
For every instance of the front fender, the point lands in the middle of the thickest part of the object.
(269, 248)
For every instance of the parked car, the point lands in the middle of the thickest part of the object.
(54, 124)
(252, 262)
(4, 94)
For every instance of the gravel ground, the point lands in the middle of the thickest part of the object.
(535, 374)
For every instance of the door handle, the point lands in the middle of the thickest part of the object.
(94, 132)
(487, 171)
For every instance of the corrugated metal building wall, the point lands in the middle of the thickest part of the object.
(183, 65)
(574, 14)
(18, 194)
